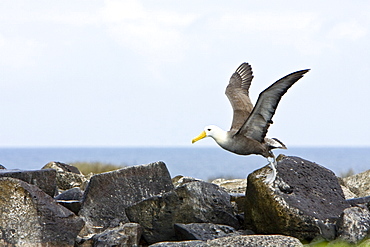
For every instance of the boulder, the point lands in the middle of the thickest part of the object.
(237, 241)
(72, 205)
(232, 186)
(30, 217)
(304, 201)
(71, 199)
(255, 241)
(190, 243)
(363, 201)
(61, 167)
(67, 176)
(181, 180)
(157, 216)
(44, 179)
(109, 194)
(359, 183)
(202, 202)
(236, 188)
(238, 203)
(354, 224)
(194, 201)
(203, 231)
(72, 194)
(124, 235)
(348, 194)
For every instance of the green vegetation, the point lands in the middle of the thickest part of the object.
(95, 167)
(348, 173)
(335, 243)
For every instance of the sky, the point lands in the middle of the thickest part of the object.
(153, 73)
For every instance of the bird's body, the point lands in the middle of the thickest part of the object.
(241, 144)
(247, 134)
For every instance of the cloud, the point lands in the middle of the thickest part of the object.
(351, 30)
(298, 29)
(310, 32)
(154, 33)
(118, 11)
(18, 53)
(268, 21)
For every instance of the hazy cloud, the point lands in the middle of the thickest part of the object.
(150, 32)
(351, 30)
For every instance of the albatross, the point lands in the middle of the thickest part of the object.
(247, 134)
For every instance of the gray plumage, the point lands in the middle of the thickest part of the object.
(247, 134)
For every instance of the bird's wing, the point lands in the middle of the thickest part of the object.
(238, 93)
(260, 119)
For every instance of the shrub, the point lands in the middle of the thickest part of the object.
(95, 167)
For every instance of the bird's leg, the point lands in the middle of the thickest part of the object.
(270, 178)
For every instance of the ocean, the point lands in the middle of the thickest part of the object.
(202, 163)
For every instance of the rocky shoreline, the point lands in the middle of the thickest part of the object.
(142, 206)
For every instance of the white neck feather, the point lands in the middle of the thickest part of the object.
(218, 134)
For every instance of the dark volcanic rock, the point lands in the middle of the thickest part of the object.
(28, 217)
(124, 235)
(44, 179)
(71, 194)
(109, 194)
(359, 201)
(61, 167)
(305, 197)
(71, 199)
(67, 176)
(236, 188)
(157, 217)
(72, 205)
(203, 231)
(181, 180)
(202, 202)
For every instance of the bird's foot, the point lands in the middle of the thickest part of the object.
(270, 178)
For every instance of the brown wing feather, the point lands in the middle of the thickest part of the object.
(238, 93)
(260, 119)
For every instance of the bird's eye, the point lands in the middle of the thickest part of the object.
(209, 129)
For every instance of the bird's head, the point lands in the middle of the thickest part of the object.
(209, 131)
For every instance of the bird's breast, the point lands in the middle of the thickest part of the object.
(243, 146)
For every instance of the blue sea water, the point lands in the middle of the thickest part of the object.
(203, 163)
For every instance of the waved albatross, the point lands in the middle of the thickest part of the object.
(249, 126)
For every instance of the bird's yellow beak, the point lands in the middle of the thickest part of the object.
(201, 136)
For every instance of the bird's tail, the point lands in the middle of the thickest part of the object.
(275, 143)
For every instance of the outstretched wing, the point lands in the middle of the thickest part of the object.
(238, 93)
(260, 119)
